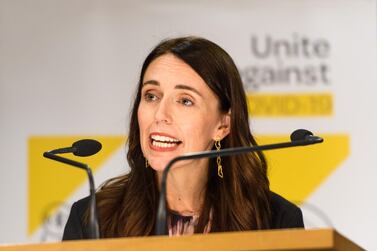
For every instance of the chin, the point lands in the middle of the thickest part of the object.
(158, 166)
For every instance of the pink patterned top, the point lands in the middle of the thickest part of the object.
(183, 225)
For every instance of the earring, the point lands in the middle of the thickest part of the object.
(146, 163)
(218, 159)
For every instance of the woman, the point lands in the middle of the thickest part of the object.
(190, 98)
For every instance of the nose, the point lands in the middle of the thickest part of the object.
(163, 112)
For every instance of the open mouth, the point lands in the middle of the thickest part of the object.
(161, 141)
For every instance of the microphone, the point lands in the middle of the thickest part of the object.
(85, 147)
(303, 134)
(300, 137)
(82, 148)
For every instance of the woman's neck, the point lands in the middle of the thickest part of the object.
(186, 188)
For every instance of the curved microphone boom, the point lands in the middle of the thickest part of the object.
(300, 137)
(82, 148)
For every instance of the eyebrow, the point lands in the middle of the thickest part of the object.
(181, 87)
(151, 82)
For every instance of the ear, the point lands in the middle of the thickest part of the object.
(223, 128)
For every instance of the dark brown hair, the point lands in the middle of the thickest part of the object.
(240, 201)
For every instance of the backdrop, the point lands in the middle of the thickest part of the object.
(68, 70)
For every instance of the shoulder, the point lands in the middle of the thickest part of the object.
(81, 206)
(284, 213)
(75, 227)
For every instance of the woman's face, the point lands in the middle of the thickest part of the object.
(178, 113)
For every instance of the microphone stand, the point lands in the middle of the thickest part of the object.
(93, 219)
(161, 213)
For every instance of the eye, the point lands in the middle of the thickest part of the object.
(186, 102)
(149, 97)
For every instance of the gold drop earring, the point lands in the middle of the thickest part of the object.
(146, 163)
(218, 159)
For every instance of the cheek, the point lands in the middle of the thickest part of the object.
(143, 115)
(143, 123)
(199, 133)
(139, 119)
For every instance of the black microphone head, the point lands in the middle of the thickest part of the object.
(86, 147)
(300, 134)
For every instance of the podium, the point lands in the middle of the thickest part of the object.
(293, 239)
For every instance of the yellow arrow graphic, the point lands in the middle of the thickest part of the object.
(51, 181)
(296, 172)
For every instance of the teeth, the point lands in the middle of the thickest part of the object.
(164, 138)
(162, 144)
